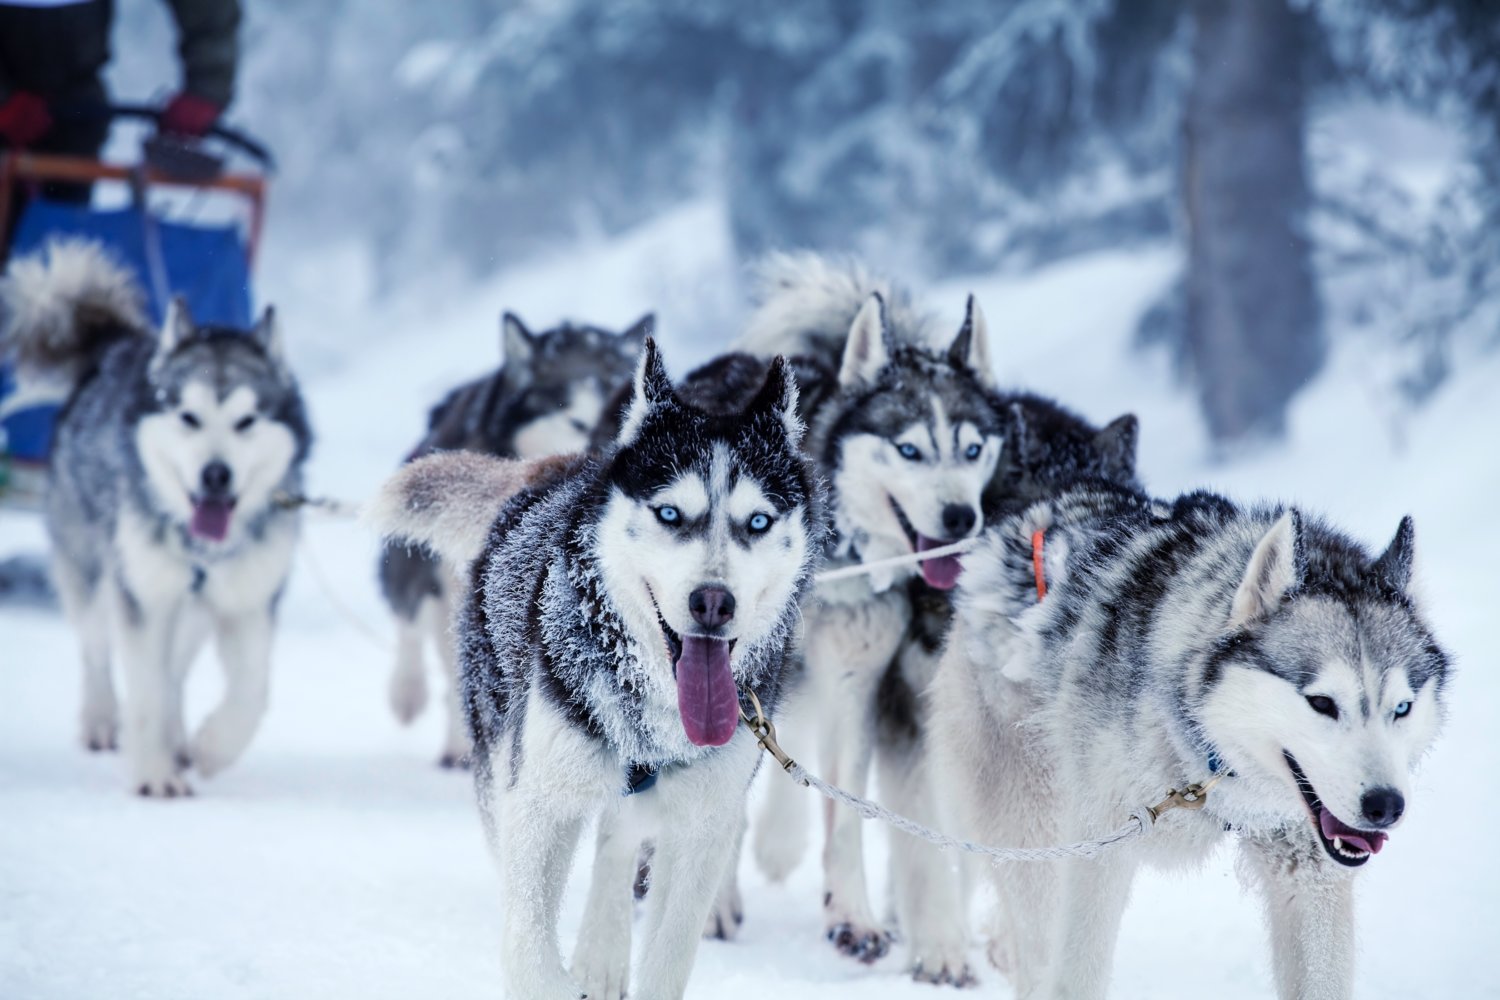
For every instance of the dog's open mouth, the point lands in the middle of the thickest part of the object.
(1345, 844)
(211, 516)
(707, 698)
(940, 573)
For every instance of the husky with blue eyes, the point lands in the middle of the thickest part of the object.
(622, 607)
(161, 502)
(1107, 647)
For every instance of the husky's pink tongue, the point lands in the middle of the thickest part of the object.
(705, 691)
(1357, 839)
(211, 519)
(941, 572)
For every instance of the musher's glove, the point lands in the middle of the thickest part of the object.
(24, 118)
(189, 115)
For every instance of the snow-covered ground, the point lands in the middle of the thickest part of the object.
(336, 860)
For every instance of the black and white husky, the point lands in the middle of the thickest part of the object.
(909, 438)
(161, 502)
(1176, 642)
(619, 606)
(545, 399)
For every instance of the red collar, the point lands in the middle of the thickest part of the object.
(1036, 563)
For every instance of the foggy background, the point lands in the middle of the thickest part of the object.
(1327, 170)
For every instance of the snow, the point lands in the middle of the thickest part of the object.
(337, 860)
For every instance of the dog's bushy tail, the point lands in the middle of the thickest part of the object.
(806, 303)
(448, 500)
(62, 306)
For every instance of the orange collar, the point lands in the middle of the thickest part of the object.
(1036, 563)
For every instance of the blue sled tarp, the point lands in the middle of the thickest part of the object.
(204, 264)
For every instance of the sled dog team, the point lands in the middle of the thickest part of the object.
(609, 564)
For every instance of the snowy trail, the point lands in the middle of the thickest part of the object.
(337, 860)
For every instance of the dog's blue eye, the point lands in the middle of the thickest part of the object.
(1403, 710)
(909, 452)
(191, 420)
(759, 523)
(669, 514)
(972, 452)
(244, 423)
(1323, 705)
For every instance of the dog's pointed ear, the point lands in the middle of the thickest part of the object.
(517, 342)
(1274, 571)
(779, 396)
(1017, 433)
(650, 389)
(1394, 564)
(629, 343)
(175, 329)
(971, 348)
(267, 334)
(868, 349)
(1116, 447)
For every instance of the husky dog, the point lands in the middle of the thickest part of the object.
(161, 502)
(1176, 642)
(1046, 449)
(544, 400)
(908, 439)
(620, 604)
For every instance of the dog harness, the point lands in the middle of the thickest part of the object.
(1037, 537)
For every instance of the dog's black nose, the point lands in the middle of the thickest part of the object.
(711, 606)
(1382, 806)
(216, 477)
(958, 519)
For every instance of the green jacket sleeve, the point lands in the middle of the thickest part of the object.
(208, 33)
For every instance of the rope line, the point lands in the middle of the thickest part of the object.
(863, 569)
(1139, 825)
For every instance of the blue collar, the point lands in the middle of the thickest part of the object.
(639, 778)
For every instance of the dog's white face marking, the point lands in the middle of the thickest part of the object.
(1326, 690)
(696, 531)
(918, 474)
(568, 429)
(176, 445)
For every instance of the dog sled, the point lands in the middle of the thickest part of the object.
(185, 220)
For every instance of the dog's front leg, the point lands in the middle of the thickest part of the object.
(699, 818)
(456, 745)
(1310, 910)
(1094, 894)
(601, 958)
(146, 635)
(244, 643)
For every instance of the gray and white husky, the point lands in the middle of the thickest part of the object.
(619, 606)
(1176, 642)
(909, 439)
(545, 399)
(161, 502)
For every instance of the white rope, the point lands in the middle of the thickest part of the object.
(1139, 825)
(862, 569)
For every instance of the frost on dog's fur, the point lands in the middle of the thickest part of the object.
(586, 639)
(60, 305)
(1178, 640)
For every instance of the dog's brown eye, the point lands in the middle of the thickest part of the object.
(1323, 706)
(244, 423)
(191, 419)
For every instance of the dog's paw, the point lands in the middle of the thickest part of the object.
(100, 731)
(862, 942)
(602, 968)
(160, 783)
(408, 695)
(217, 744)
(454, 761)
(728, 914)
(934, 967)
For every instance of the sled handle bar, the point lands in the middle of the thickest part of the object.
(245, 143)
(17, 168)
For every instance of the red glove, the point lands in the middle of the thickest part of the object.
(24, 118)
(190, 115)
